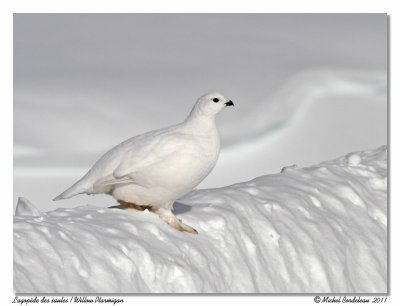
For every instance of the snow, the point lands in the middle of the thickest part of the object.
(26, 208)
(305, 230)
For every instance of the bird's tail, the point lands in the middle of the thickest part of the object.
(75, 189)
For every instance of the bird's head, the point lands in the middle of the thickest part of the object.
(211, 104)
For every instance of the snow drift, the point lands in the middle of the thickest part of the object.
(311, 230)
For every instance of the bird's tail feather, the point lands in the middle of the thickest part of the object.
(75, 189)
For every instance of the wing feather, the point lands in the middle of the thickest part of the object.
(152, 153)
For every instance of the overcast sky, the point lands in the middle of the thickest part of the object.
(156, 55)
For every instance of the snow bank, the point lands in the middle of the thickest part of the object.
(317, 229)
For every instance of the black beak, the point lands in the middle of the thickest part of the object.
(229, 103)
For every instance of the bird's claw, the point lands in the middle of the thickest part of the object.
(186, 228)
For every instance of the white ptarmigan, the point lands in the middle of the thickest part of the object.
(152, 170)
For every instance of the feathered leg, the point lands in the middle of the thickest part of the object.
(168, 217)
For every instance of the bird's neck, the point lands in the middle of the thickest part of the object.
(199, 123)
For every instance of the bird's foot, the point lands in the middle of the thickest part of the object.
(186, 228)
(168, 217)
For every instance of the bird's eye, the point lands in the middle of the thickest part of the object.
(216, 100)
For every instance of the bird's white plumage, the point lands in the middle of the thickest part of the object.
(158, 167)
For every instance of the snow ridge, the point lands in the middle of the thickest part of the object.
(312, 230)
(281, 108)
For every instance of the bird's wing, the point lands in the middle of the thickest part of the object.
(146, 151)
